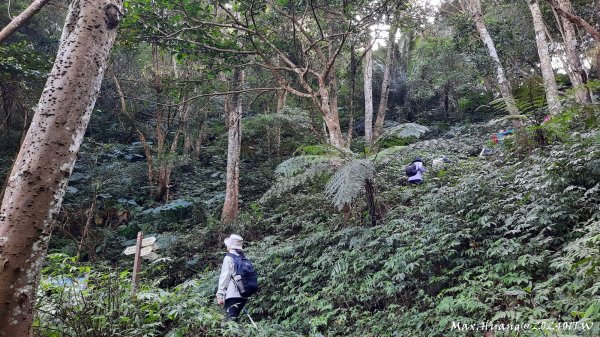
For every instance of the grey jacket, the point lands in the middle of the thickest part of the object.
(227, 287)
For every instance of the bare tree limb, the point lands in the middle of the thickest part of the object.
(21, 19)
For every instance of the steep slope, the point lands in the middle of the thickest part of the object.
(497, 240)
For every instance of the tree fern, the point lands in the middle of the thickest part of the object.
(296, 165)
(296, 172)
(348, 183)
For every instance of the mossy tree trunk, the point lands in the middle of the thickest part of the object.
(38, 179)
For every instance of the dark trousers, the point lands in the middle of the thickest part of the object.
(233, 307)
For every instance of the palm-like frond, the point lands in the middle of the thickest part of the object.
(348, 183)
(287, 182)
(299, 164)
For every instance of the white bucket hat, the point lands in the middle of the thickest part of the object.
(234, 241)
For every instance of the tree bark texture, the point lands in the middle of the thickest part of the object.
(331, 117)
(21, 19)
(575, 20)
(545, 61)
(281, 99)
(385, 84)
(233, 108)
(575, 68)
(503, 82)
(353, 71)
(368, 90)
(37, 182)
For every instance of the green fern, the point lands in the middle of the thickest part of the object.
(299, 164)
(348, 183)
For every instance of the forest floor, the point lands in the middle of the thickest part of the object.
(506, 239)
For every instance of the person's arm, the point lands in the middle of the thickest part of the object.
(224, 278)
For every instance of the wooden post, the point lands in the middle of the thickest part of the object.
(137, 262)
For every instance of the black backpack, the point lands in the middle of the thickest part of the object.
(411, 170)
(247, 282)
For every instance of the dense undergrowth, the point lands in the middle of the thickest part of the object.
(511, 238)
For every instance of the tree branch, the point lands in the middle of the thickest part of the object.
(21, 19)
(575, 20)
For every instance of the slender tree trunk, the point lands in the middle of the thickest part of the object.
(21, 19)
(385, 84)
(186, 129)
(234, 110)
(545, 60)
(45, 161)
(7, 94)
(503, 82)
(370, 193)
(353, 72)
(598, 62)
(330, 117)
(568, 14)
(281, 99)
(575, 68)
(368, 89)
(200, 136)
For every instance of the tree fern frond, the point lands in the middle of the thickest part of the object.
(390, 151)
(348, 183)
(296, 165)
(285, 184)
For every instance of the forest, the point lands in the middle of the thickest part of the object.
(406, 168)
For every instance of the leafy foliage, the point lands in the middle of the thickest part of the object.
(503, 241)
(77, 300)
(348, 182)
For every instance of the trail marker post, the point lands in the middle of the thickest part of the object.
(143, 248)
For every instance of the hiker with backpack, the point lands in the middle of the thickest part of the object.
(415, 171)
(237, 280)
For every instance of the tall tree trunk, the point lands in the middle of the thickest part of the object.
(7, 94)
(200, 136)
(598, 62)
(45, 161)
(385, 83)
(281, 99)
(332, 119)
(370, 193)
(503, 82)
(188, 141)
(353, 72)
(368, 90)
(21, 19)
(234, 110)
(568, 14)
(545, 60)
(575, 68)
